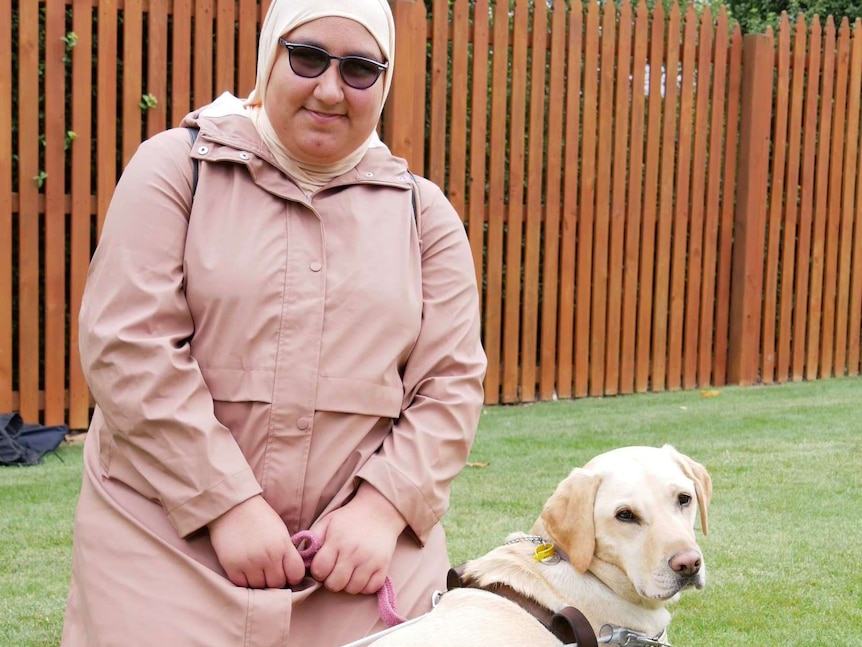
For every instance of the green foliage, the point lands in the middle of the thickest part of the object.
(71, 39)
(40, 179)
(148, 102)
(754, 16)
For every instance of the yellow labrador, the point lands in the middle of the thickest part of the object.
(615, 540)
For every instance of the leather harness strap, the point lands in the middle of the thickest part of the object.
(568, 624)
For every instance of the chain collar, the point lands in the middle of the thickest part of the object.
(533, 539)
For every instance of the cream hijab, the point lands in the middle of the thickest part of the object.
(284, 16)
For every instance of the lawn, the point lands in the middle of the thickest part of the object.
(783, 555)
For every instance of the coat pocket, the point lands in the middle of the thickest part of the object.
(242, 401)
(268, 614)
(239, 385)
(363, 397)
(268, 617)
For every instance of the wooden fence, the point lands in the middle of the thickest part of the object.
(653, 201)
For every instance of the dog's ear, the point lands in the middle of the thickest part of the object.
(568, 517)
(702, 483)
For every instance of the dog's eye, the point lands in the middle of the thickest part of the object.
(684, 500)
(627, 516)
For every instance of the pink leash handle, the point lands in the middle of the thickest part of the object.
(307, 544)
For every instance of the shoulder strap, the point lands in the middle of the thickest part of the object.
(569, 625)
(193, 135)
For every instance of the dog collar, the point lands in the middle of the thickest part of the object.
(533, 539)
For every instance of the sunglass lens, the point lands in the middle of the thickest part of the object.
(307, 61)
(359, 73)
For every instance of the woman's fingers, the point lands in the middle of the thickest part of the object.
(364, 580)
(374, 584)
(275, 576)
(294, 569)
(350, 572)
(323, 563)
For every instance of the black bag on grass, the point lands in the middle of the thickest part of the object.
(24, 444)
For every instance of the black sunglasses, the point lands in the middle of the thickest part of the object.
(310, 62)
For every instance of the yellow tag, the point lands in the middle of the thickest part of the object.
(543, 552)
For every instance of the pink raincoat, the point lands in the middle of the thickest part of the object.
(265, 342)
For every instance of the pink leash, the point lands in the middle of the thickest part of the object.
(385, 596)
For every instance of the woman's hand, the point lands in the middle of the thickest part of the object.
(254, 548)
(357, 543)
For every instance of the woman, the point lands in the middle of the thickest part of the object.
(288, 343)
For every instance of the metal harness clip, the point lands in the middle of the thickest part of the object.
(628, 638)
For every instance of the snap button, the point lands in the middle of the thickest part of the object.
(244, 156)
(369, 174)
(203, 150)
(302, 424)
(315, 266)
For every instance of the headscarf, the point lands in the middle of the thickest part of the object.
(282, 17)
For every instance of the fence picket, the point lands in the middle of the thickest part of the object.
(6, 208)
(583, 359)
(514, 233)
(828, 358)
(682, 214)
(81, 218)
(476, 211)
(855, 107)
(53, 251)
(107, 108)
(181, 60)
(202, 53)
(806, 200)
(553, 206)
(156, 118)
(436, 161)
(725, 248)
(571, 187)
(664, 249)
(225, 47)
(602, 199)
(617, 212)
(29, 168)
(533, 214)
(133, 94)
(776, 205)
(643, 368)
(706, 341)
(460, 114)
(246, 45)
(633, 214)
(814, 367)
(496, 200)
(692, 311)
(851, 78)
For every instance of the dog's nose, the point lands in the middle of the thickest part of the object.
(686, 563)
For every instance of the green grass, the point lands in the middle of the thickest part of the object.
(36, 509)
(785, 565)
